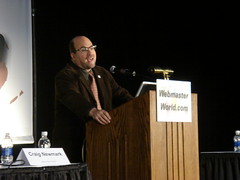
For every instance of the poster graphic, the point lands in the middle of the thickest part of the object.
(16, 70)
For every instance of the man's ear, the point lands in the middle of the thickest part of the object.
(72, 55)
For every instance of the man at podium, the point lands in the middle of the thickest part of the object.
(83, 91)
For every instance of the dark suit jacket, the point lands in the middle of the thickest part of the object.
(74, 100)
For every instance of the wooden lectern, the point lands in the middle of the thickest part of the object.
(134, 146)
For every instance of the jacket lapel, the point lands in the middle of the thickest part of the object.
(85, 83)
(82, 79)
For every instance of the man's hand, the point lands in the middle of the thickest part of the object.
(101, 116)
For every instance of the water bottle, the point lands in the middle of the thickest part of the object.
(44, 142)
(236, 140)
(7, 149)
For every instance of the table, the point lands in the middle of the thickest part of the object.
(224, 165)
(76, 171)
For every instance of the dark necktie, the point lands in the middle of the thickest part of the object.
(94, 89)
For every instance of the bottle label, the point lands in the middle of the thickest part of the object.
(7, 151)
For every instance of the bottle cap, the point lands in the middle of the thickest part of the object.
(7, 135)
(237, 132)
(45, 133)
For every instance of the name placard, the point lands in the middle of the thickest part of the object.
(174, 101)
(43, 156)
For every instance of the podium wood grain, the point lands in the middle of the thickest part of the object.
(135, 146)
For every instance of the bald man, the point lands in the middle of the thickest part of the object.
(75, 103)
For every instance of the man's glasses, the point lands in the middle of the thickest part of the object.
(85, 49)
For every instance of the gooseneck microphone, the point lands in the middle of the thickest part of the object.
(114, 69)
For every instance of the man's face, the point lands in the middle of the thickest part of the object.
(2, 44)
(3, 68)
(3, 73)
(85, 55)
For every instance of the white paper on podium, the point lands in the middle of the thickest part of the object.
(174, 102)
(43, 156)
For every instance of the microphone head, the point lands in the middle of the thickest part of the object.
(154, 70)
(112, 69)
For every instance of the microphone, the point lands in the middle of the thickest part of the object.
(114, 69)
(158, 70)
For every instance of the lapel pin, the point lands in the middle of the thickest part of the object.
(98, 76)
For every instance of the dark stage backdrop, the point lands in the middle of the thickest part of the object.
(200, 43)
